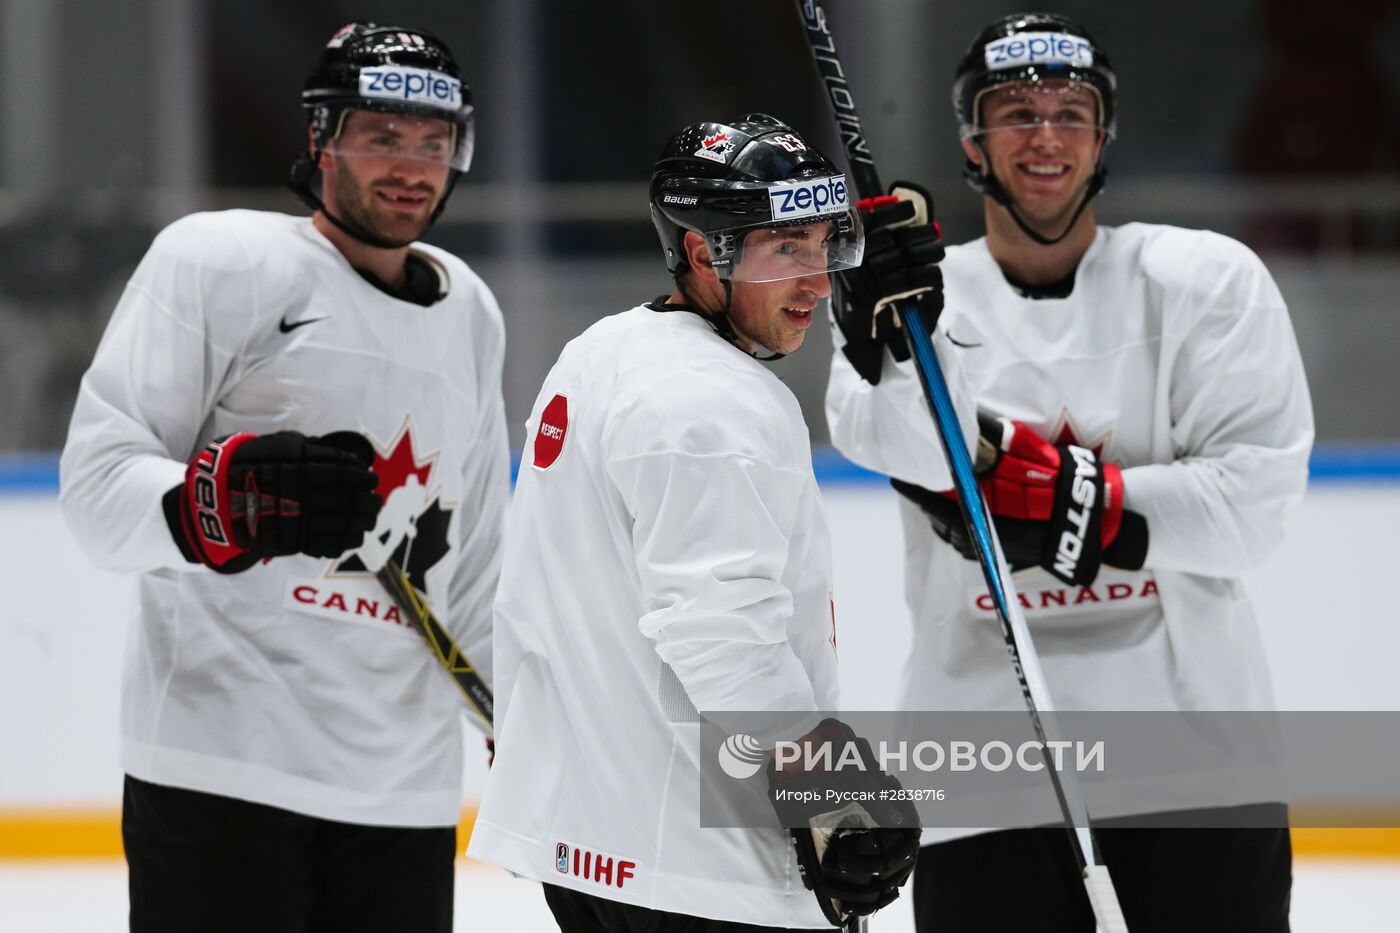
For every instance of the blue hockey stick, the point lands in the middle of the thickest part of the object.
(1034, 690)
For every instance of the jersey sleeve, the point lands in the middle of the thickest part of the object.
(486, 489)
(715, 503)
(1241, 428)
(143, 401)
(889, 427)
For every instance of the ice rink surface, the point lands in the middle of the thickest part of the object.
(35, 897)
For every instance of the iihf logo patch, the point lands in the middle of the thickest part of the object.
(611, 871)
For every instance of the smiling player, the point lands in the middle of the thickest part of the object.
(1146, 428)
(271, 388)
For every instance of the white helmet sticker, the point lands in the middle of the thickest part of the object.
(794, 200)
(341, 35)
(411, 85)
(1038, 48)
(716, 148)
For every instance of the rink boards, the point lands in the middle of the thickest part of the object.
(1327, 602)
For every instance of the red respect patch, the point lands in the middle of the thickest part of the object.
(549, 439)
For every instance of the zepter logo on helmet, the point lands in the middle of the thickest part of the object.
(769, 206)
(398, 71)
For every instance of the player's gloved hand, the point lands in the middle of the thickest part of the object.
(248, 497)
(855, 854)
(1056, 507)
(903, 247)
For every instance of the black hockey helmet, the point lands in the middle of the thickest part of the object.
(1035, 49)
(724, 180)
(384, 69)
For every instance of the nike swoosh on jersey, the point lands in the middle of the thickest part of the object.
(286, 328)
(958, 343)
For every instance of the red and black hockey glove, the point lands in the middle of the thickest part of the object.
(903, 247)
(1057, 507)
(248, 497)
(855, 853)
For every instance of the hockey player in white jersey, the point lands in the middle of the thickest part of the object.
(293, 753)
(1160, 363)
(667, 554)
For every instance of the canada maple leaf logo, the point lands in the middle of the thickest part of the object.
(412, 524)
(395, 470)
(711, 142)
(1066, 432)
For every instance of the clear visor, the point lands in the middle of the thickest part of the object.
(399, 136)
(771, 254)
(1069, 109)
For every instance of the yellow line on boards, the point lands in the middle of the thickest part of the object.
(60, 834)
(464, 828)
(96, 834)
(1346, 842)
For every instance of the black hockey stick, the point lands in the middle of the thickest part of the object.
(1102, 896)
(415, 608)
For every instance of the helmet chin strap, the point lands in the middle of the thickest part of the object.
(720, 322)
(299, 183)
(987, 183)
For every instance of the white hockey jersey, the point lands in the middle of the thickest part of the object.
(666, 552)
(1174, 358)
(295, 684)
